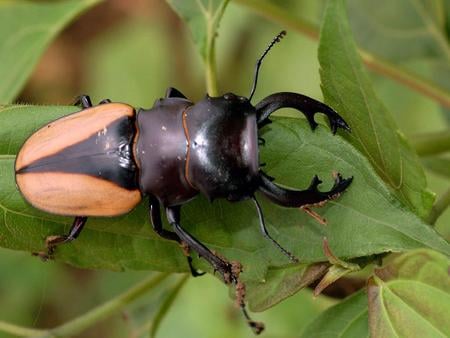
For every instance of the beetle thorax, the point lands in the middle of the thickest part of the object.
(222, 147)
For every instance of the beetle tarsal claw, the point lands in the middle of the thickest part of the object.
(44, 256)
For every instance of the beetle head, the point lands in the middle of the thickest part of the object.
(223, 147)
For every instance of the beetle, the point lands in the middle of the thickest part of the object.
(104, 159)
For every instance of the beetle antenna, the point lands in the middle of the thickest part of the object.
(258, 63)
(266, 234)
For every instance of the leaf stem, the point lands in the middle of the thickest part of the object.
(413, 81)
(441, 204)
(103, 311)
(210, 59)
(431, 143)
(210, 64)
(19, 331)
(165, 306)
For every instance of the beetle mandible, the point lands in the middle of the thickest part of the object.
(103, 160)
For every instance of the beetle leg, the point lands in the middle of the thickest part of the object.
(84, 101)
(172, 92)
(308, 106)
(266, 234)
(219, 264)
(105, 101)
(155, 218)
(229, 271)
(53, 241)
(301, 198)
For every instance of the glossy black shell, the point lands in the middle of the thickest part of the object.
(210, 147)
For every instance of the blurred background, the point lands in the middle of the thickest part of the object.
(131, 51)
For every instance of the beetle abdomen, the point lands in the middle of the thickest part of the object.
(82, 164)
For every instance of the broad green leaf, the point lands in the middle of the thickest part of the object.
(347, 319)
(364, 221)
(26, 29)
(346, 87)
(203, 18)
(411, 297)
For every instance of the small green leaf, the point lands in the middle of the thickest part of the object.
(346, 319)
(338, 269)
(346, 87)
(280, 284)
(411, 297)
(26, 29)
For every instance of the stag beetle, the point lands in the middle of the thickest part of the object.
(104, 159)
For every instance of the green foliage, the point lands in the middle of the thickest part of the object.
(203, 18)
(418, 31)
(411, 297)
(382, 212)
(128, 243)
(346, 319)
(26, 29)
(347, 88)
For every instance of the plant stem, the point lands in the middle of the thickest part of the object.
(432, 143)
(20, 331)
(165, 306)
(103, 311)
(212, 24)
(275, 13)
(210, 63)
(442, 203)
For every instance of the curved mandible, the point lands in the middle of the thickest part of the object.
(308, 106)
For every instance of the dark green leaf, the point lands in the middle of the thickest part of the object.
(26, 29)
(347, 319)
(203, 18)
(411, 297)
(346, 87)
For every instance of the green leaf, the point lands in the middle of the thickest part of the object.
(347, 319)
(26, 29)
(281, 283)
(411, 297)
(294, 154)
(338, 269)
(346, 87)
